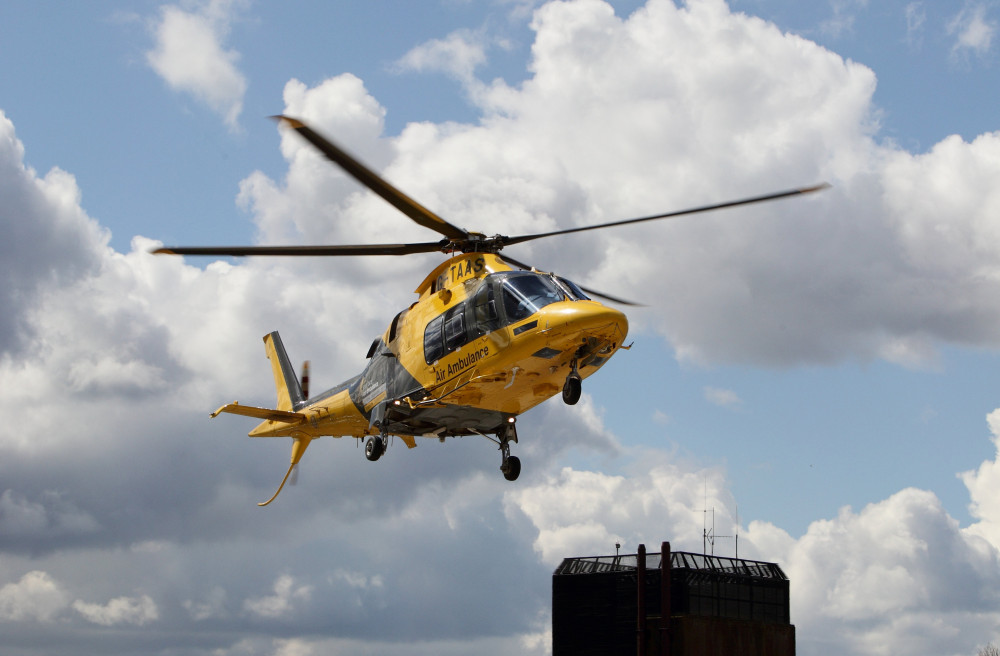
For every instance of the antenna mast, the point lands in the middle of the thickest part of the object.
(708, 535)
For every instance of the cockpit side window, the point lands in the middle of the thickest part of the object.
(484, 310)
(574, 289)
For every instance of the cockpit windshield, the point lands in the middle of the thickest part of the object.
(523, 295)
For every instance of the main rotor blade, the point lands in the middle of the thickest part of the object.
(241, 251)
(609, 297)
(591, 292)
(507, 241)
(375, 182)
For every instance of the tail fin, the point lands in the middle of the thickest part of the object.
(285, 381)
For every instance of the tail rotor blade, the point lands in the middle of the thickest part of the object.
(305, 380)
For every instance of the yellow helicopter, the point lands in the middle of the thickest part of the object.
(488, 338)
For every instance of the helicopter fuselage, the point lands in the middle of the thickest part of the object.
(483, 344)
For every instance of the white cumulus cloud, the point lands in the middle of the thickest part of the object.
(972, 29)
(35, 597)
(137, 611)
(584, 513)
(287, 593)
(50, 241)
(458, 54)
(899, 574)
(983, 484)
(724, 398)
(190, 56)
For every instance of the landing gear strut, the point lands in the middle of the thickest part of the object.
(375, 447)
(573, 386)
(510, 466)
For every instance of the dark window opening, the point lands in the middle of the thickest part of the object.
(395, 325)
(454, 328)
(575, 291)
(485, 310)
(446, 333)
(433, 343)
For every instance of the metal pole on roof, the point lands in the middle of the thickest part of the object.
(640, 628)
(665, 599)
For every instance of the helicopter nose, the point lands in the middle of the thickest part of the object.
(590, 318)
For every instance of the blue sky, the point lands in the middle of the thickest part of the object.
(825, 365)
(934, 60)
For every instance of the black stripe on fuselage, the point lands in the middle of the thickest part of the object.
(322, 396)
(445, 421)
(439, 420)
(383, 373)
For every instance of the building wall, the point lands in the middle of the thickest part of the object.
(712, 614)
(594, 615)
(712, 636)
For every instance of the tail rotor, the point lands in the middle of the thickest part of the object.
(305, 380)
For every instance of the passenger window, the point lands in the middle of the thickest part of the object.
(433, 343)
(454, 328)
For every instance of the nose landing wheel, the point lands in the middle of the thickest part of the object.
(573, 386)
(572, 389)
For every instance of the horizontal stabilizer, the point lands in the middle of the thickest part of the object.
(261, 413)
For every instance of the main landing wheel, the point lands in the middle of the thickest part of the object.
(510, 465)
(374, 447)
(512, 468)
